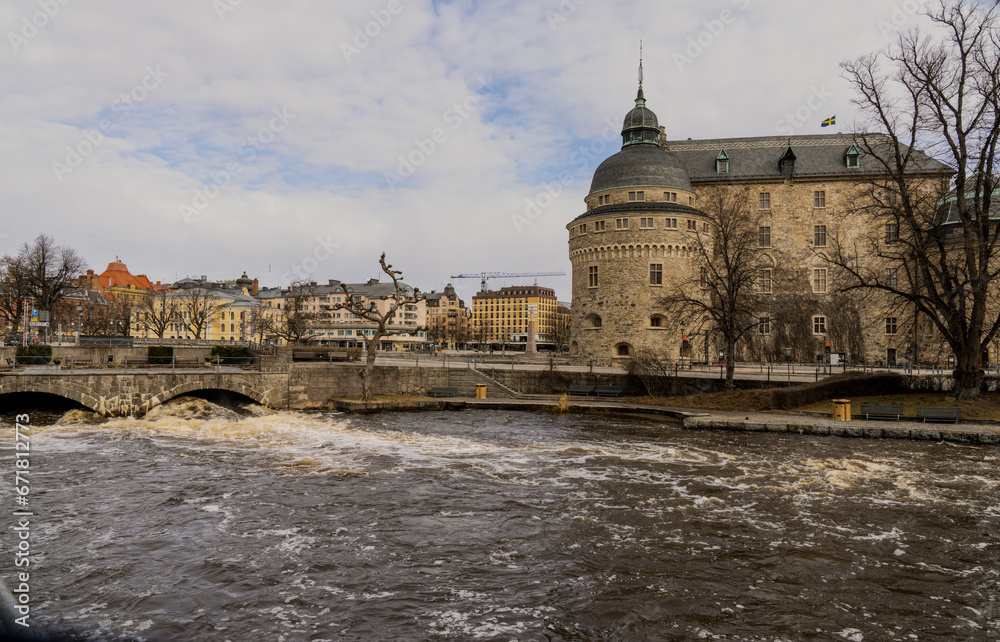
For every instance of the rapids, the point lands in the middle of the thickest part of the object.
(198, 522)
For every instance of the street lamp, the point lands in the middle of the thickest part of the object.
(788, 358)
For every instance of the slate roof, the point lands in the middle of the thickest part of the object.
(817, 156)
(641, 166)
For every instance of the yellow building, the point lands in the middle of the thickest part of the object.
(208, 315)
(502, 316)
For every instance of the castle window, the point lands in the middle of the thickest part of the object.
(819, 198)
(637, 196)
(819, 235)
(819, 325)
(645, 222)
(656, 274)
(722, 163)
(692, 225)
(623, 350)
(890, 325)
(819, 281)
(891, 277)
(621, 223)
(765, 200)
(891, 232)
(592, 276)
(599, 226)
(670, 197)
(764, 236)
(583, 228)
(656, 321)
(764, 325)
(765, 280)
(672, 223)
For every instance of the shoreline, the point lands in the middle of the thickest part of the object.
(970, 432)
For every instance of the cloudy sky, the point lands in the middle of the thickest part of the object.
(300, 138)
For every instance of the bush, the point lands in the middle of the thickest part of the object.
(34, 355)
(835, 387)
(231, 354)
(353, 354)
(160, 355)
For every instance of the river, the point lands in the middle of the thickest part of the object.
(199, 522)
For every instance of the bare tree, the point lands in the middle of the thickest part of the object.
(14, 290)
(940, 91)
(48, 270)
(727, 292)
(368, 310)
(157, 312)
(295, 318)
(197, 307)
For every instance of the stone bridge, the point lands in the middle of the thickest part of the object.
(120, 393)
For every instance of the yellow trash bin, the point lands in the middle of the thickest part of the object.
(842, 409)
(480, 391)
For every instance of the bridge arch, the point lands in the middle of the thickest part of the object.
(63, 389)
(199, 386)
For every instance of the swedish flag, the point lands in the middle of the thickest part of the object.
(829, 121)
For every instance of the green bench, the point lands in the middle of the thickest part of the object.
(444, 391)
(884, 411)
(939, 414)
(581, 390)
(609, 391)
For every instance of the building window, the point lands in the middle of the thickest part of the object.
(891, 277)
(645, 222)
(583, 228)
(670, 197)
(722, 163)
(819, 235)
(599, 226)
(819, 280)
(672, 223)
(764, 325)
(890, 198)
(656, 322)
(621, 223)
(623, 350)
(637, 196)
(819, 198)
(891, 232)
(604, 200)
(819, 325)
(765, 280)
(765, 200)
(764, 236)
(656, 274)
(592, 274)
(890, 325)
(692, 225)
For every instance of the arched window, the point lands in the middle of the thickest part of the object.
(593, 320)
(623, 350)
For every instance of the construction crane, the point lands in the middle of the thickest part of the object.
(503, 275)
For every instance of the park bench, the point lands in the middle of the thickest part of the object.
(609, 391)
(136, 361)
(337, 356)
(79, 361)
(575, 389)
(881, 410)
(444, 391)
(186, 361)
(939, 414)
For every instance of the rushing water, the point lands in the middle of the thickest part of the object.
(202, 523)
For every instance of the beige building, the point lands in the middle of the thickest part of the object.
(502, 316)
(638, 240)
(449, 322)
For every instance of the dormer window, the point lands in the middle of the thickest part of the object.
(722, 163)
(786, 165)
(853, 157)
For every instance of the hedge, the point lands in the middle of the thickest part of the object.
(231, 354)
(36, 354)
(160, 355)
(849, 385)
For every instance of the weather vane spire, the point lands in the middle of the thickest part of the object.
(640, 61)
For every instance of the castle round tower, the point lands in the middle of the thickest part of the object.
(632, 246)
